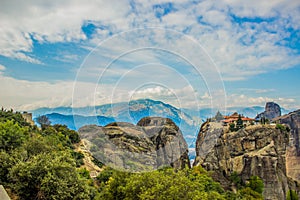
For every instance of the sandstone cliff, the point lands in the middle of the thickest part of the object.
(256, 150)
(292, 120)
(152, 143)
(272, 110)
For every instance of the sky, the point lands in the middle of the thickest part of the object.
(191, 54)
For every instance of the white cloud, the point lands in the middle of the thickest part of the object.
(246, 101)
(240, 50)
(2, 68)
(223, 39)
(67, 93)
(50, 21)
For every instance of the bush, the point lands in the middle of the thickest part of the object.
(292, 195)
(256, 184)
(11, 135)
(236, 180)
(232, 127)
(282, 127)
(47, 176)
(160, 184)
(247, 193)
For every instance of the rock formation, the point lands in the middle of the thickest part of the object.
(253, 151)
(272, 110)
(152, 143)
(292, 120)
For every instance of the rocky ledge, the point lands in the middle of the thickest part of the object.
(153, 143)
(292, 120)
(253, 151)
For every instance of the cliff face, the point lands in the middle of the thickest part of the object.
(152, 143)
(292, 120)
(257, 150)
(272, 110)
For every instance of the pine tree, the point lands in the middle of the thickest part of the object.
(239, 123)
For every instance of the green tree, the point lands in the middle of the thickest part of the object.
(248, 194)
(48, 176)
(70, 134)
(232, 127)
(11, 116)
(292, 195)
(162, 184)
(236, 179)
(43, 121)
(11, 135)
(239, 123)
(263, 120)
(256, 184)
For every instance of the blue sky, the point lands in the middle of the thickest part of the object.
(191, 54)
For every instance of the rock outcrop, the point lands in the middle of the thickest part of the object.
(272, 110)
(254, 151)
(152, 143)
(292, 120)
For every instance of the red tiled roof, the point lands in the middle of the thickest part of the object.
(247, 119)
(234, 119)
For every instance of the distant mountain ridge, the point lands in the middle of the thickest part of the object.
(188, 120)
(251, 112)
(130, 112)
(57, 118)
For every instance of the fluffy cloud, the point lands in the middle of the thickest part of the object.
(79, 94)
(242, 38)
(237, 48)
(2, 68)
(246, 101)
(50, 21)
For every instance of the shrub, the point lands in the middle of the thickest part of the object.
(292, 195)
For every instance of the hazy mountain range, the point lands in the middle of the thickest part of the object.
(131, 112)
(188, 120)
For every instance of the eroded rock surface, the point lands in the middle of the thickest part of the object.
(152, 143)
(254, 151)
(272, 110)
(292, 120)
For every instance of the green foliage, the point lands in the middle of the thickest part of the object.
(251, 190)
(47, 176)
(282, 127)
(160, 184)
(71, 134)
(256, 184)
(11, 135)
(78, 158)
(263, 120)
(248, 194)
(239, 123)
(292, 195)
(97, 162)
(104, 176)
(7, 162)
(236, 179)
(63, 135)
(41, 164)
(232, 127)
(11, 116)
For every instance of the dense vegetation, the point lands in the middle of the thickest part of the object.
(165, 183)
(42, 164)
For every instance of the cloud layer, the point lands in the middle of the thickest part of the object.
(243, 39)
